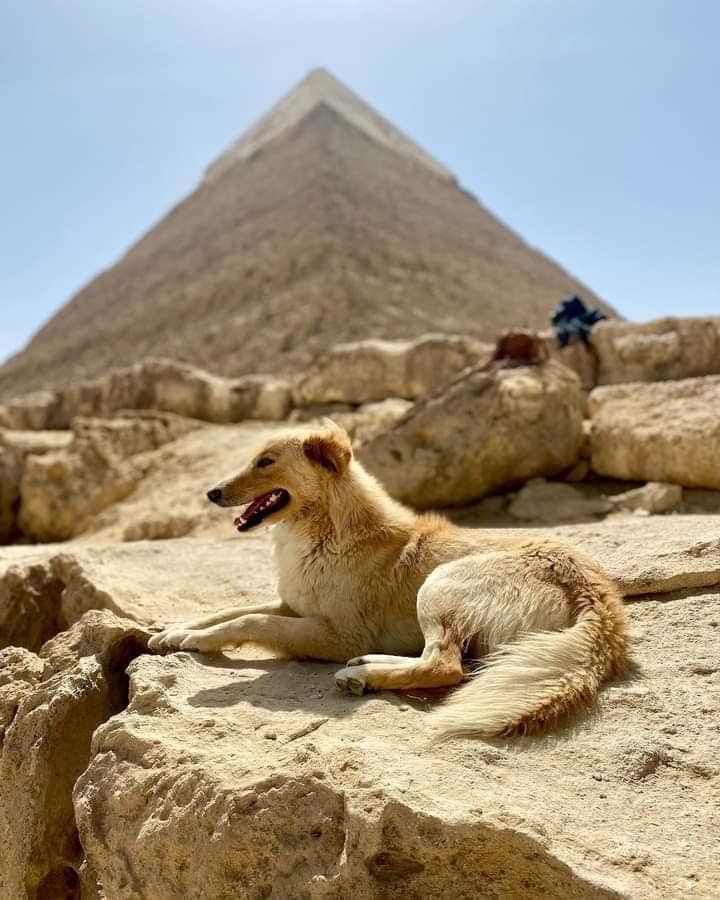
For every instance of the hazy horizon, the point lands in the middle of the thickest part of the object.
(589, 129)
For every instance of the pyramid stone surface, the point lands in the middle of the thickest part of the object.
(322, 224)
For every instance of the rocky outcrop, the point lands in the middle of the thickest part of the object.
(662, 350)
(577, 356)
(653, 497)
(15, 446)
(374, 370)
(156, 384)
(554, 501)
(60, 492)
(20, 669)
(59, 697)
(44, 589)
(489, 429)
(285, 788)
(372, 418)
(668, 431)
(31, 610)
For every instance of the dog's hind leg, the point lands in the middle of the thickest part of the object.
(440, 665)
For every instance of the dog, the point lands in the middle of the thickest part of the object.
(406, 601)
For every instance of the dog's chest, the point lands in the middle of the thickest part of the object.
(310, 582)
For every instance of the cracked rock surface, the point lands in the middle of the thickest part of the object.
(239, 775)
(283, 787)
(50, 706)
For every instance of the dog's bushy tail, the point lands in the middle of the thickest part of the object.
(527, 686)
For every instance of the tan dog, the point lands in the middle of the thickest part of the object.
(364, 579)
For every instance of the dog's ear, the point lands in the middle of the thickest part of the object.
(330, 448)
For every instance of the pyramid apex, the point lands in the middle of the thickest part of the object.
(319, 86)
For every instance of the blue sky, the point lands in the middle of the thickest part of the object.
(592, 128)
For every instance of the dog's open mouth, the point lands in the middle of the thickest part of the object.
(260, 508)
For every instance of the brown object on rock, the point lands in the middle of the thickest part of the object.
(519, 348)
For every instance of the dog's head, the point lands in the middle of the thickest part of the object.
(286, 476)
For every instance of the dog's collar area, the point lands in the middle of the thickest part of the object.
(260, 508)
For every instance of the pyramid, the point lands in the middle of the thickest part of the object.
(323, 223)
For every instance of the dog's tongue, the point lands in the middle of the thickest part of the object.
(249, 510)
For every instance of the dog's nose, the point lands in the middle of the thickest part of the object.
(214, 495)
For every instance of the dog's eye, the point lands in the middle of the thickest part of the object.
(264, 461)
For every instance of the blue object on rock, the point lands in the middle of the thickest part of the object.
(573, 318)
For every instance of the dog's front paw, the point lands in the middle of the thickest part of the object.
(204, 641)
(351, 680)
(168, 639)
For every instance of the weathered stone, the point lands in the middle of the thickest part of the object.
(554, 501)
(157, 384)
(34, 412)
(160, 528)
(47, 746)
(14, 447)
(653, 497)
(60, 492)
(668, 431)
(577, 356)
(372, 370)
(47, 588)
(30, 600)
(372, 418)
(650, 555)
(285, 788)
(172, 493)
(488, 430)
(579, 472)
(20, 669)
(221, 758)
(665, 349)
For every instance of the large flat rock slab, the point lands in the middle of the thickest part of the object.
(653, 554)
(231, 777)
(46, 588)
(667, 431)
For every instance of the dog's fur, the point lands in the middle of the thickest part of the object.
(364, 579)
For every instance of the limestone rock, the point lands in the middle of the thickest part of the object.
(46, 747)
(553, 501)
(157, 384)
(370, 419)
(579, 472)
(665, 349)
(61, 491)
(650, 555)
(668, 431)
(47, 588)
(170, 500)
(577, 356)
(372, 370)
(15, 446)
(34, 412)
(488, 430)
(20, 669)
(283, 787)
(653, 497)
(30, 600)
